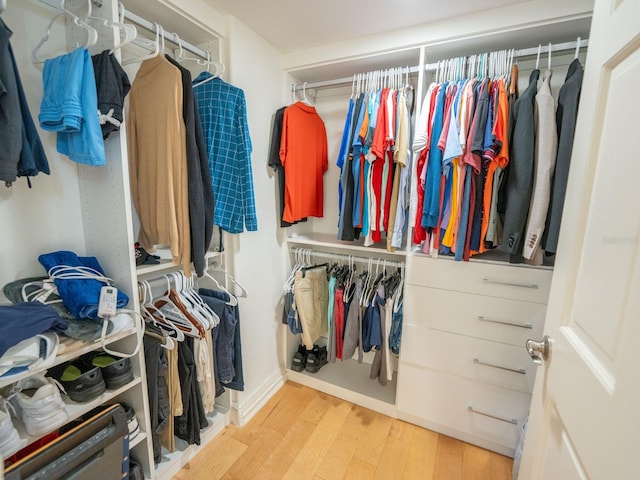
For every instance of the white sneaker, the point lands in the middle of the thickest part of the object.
(39, 405)
(10, 441)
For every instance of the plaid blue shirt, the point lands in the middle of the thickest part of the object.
(223, 115)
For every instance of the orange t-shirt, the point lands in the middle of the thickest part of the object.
(303, 153)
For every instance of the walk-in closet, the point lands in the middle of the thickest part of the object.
(225, 221)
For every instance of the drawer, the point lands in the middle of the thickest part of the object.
(473, 409)
(505, 281)
(491, 318)
(482, 360)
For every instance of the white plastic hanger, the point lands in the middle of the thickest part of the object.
(538, 57)
(158, 47)
(3, 5)
(92, 34)
(130, 31)
(152, 314)
(577, 48)
(208, 63)
(233, 301)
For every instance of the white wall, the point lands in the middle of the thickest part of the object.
(256, 257)
(46, 217)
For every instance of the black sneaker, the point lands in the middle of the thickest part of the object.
(316, 359)
(82, 383)
(116, 371)
(299, 361)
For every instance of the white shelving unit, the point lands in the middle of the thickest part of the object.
(346, 379)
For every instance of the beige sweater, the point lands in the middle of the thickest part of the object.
(157, 159)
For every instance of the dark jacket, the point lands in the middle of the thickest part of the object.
(566, 116)
(521, 167)
(22, 154)
(200, 184)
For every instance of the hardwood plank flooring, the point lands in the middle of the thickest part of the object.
(305, 434)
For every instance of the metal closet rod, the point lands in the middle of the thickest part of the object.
(147, 25)
(172, 37)
(525, 52)
(345, 257)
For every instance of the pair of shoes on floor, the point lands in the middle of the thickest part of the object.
(89, 376)
(37, 402)
(309, 360)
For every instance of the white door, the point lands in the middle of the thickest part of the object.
(585, 417)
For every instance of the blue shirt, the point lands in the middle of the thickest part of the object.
(223, 115)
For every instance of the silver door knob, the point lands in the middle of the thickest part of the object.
(539, 351)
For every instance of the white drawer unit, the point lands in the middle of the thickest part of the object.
(476, 412)
(473, 358)
(505, 281)
(497, 319)
(464, 370)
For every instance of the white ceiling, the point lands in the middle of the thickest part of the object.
(291, 25)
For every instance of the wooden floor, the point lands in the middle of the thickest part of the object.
(303, 434)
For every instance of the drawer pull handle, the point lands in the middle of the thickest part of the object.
(534, 286)
(506, 420)
(528, 326)
(493, 365)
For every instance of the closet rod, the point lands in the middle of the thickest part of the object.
(525, 52)
(173, 38)
(345, 257)
(147, 25)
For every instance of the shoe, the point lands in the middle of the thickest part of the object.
(39, 405)
(132, 422)
(81, 382)
(10, 441)
(116, 372)
(145, 258)
(316, 359)
(135, 470)
(299, 359)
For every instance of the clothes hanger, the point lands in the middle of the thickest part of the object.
(179, 301)
(220, 68)
(92, 33)
(172, 312)
(549, 57)
(3, 5)
(575, 57)
(538, 56)
(156, 51)
(130, 31)
(186, 304)
(233, 301)
(166, 342)
(153, 315)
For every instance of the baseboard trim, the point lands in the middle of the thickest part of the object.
(241, 414)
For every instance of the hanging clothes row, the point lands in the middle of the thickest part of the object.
(480, 158)
(192, 352)
(298, 154)
(353, 311)
(373, 159)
